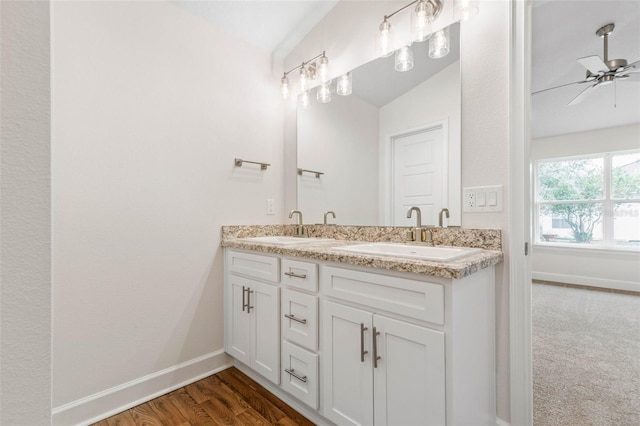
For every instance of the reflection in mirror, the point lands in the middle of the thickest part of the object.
(392, 144)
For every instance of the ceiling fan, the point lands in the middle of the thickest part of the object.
(601, 72)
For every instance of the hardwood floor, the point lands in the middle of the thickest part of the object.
(226, 398)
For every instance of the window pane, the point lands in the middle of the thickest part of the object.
(626, 175)
(626, 225)
(579, 223)
(571, 180)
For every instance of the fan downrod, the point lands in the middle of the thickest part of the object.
(613, 64)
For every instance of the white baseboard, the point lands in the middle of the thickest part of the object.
(500, 422)
(586, 281)
(101, 405)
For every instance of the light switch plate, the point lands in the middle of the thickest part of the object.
(482, 199)
(271, 206)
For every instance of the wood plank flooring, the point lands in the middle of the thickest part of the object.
(226, 398)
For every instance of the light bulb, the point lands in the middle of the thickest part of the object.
(422, 19)
(303, 99)
(323, 69)
(464, 10)
(404, 59)
(284, 86)
(323, 93)
(385, 44)
(304, 79)
(344, 87)
(439, 44)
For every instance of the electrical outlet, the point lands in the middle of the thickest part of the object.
(469, 199)
(271, 206)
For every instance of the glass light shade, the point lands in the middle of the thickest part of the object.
(323, 69)
(304, 79)
(344, 87)
(323, 93)
(404, 59)
(439, 44)
(284, 86)
(384, 44)
(421, 21)
(303, 99)
(465, 9)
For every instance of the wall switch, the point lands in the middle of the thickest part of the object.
(271, 206)
(482, 199)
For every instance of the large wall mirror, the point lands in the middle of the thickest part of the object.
(392, 144)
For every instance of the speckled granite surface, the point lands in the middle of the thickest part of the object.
(487, 239)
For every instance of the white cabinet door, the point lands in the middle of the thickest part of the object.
(409, 379)
(238, 343)
(264, 306)
(347, 376)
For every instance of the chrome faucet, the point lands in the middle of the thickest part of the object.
(328, 213)
(446, 213)
(420, 234)
(301, 231)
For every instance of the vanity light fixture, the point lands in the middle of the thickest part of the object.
(316, 67)
(464, 10)
(404, 58)
(284, 86)
(421, 20)
(323, 93)
(426, 11)
(439, 44)
(344, 86)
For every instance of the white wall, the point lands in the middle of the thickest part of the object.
(25, 214)
(332, 138)
(436, 99)
(601, 268)
(150, 107)
(347, 35)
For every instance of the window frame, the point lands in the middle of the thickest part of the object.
(607, 202)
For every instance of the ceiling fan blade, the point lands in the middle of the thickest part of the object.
(593, 64)
(630, 69)
(584, 94)
(557, 87)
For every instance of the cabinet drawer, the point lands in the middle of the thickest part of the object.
(411, 298)
(300, 318)
(303, 275)
(254, 265)
(300, 373)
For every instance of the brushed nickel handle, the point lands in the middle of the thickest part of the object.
(294, 275)
(293, 318)
(362, 351)
(375, 348)
(293, 373)
(249, 292)
(244, 304)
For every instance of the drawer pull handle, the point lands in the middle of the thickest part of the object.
(362, 351)
(294, 275)
(293, 318)
(293, 373)
(375, 348)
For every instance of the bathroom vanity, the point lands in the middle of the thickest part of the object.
(360, 339)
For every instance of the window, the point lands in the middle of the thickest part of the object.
(589, 201)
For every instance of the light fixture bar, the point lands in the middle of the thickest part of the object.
(400, 10)
(305, 63)
(437, 8)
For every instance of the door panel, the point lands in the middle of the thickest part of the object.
(240, 328)
(266, 332)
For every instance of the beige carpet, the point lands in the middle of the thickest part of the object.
(586, 357)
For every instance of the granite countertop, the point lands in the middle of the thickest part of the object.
(322, 251)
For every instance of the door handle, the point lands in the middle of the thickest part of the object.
(244, 304)
(362, 351)
(375, 348)
(249, 293)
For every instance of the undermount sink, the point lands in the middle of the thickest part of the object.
(285, 241)
(437, 253)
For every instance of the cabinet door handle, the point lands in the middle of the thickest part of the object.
(249, 293)
(375, 348)
(294, 374)
(293, 318)
(362, 351)
(244, 303)
(294, 275)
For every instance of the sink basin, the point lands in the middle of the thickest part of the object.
(285, 241)
(438, 253)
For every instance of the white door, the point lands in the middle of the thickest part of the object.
(418, 171)
(264, 303)
(409, 378)
(239, 337)
(347, 372)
